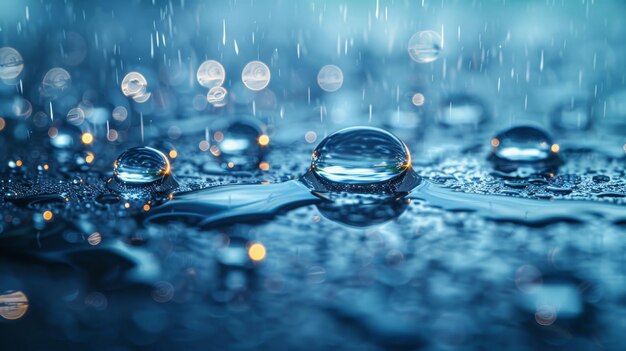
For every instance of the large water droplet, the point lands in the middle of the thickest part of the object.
(523, 144)
(361, 155)
(141, 166)
(241, 144)
(462, 111)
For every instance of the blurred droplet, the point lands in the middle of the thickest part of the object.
(256, 75)
(11, 63)
(211, 74)
(330, 78)
(523, 144)
(425, 46)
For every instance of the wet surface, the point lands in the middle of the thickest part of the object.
(197, 197)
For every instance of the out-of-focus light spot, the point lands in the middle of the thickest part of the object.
(264, 140)
(555, 148)
(11, 63)
(112, 135)
(134, 85)
(545, 315)
(87, 138)
(146, 207)
(94, 239)
(3, 123)
(120, 113)
(211, 74)
(47, 215)
(264, 166)
(215, 150)
(89, 158)
(170, 196)
(330, 78)
(76, 116)
(310, 136)
(46, 167)
(13, 305)
(218, 136)
(126, 205)
(216, 94)
(257, 252)
(418, 99)
(19, 163)
(256, 75)
(173, 153)
(495, 142)
(204, 145)
(425, 46)
(231, 165)
(53, 132)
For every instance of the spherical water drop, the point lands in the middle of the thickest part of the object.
(11, 63)
(330, 78)
(425, 46)
(572, 116)
(361, 155)
(256, 75)
(241, 144)
(211, 74)
(462, 111)
(141, 165)
(523, 144)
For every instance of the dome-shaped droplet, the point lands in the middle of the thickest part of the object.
(141, 166)
(241, 144)
(462, 111)
(361, 155)
(523, 144)
(571, 116)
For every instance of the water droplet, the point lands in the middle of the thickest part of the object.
(571, 116)
(211, 74)
(11, 63)
(601, 178)
(462, 111)
(238, 144)
(141, 165)
(216, 94)
(256, 75)
(330, 78)
(55, 82)
(135, 85)
(425, 46)
(361, 155)
(523, 144)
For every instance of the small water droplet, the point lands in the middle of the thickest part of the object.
(361, 155)
(524, 145)
(141, 165)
